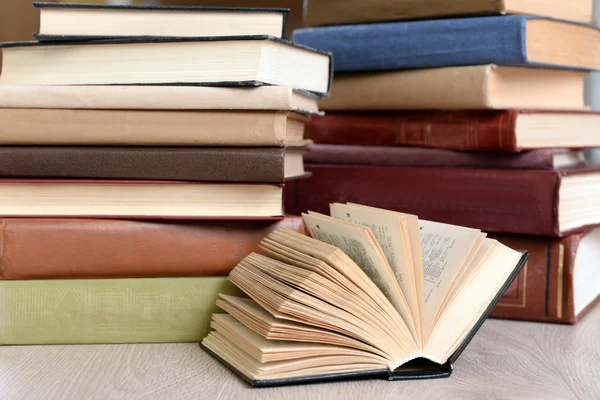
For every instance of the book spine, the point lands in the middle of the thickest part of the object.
(259, 165)
(34, 249)
(492, 200)
(341, 154)
(473, 131)
(421, 44)
(141, 128)
(169, 310)
(544, 290)
(339, 12)
(145, 98)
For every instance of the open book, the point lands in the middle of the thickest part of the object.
(373, 293)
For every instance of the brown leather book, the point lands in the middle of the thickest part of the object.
(548, 203)
(559, 283)
(216, 164)
(72, 248)
(337, 12)
(506, 130)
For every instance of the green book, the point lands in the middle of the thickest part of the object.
(162, 310)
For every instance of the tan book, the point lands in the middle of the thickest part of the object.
(459, 88)
(60, 20)
(275, 98)
(24, 126)
(373, 293)
(339, 12)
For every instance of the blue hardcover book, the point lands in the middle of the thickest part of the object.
(504, 40)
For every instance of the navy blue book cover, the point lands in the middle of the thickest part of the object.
(388, 46)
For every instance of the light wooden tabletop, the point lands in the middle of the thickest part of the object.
(508, 360)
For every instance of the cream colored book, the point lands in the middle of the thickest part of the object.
(340, 12)
(266, 98)
(230, 61)
(58, 20)
(373, 293)
(27, 126)
(459, 88)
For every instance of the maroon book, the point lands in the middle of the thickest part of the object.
(544, 159)
(505, 130)
(533, 202)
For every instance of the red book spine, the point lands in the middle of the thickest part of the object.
(469, 130)
(524, 202)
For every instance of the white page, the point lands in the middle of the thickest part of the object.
(360, 245)
(391, 231)
(445, 249)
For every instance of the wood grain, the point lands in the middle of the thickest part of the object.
(513, 360)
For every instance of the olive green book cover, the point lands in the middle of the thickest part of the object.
(106, 311)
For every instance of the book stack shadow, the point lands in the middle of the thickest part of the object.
(144, 154)
(471, 114)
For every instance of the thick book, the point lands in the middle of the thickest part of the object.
(558, 284)
(90, 127)
(546, 203)
(341, 12)
(504, 40)
(202, 164)
(373, 294)
(108, 311)
(228, 61)
(479, 87)
(273, 98)
(505, 131)
(59, 21)
(340, 154)
(116, 199)
(41, 249)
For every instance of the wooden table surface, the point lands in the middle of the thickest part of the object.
(508, 360)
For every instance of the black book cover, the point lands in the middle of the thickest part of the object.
(416, 369)
(41, 5)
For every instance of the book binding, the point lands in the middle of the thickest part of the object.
(443, 371)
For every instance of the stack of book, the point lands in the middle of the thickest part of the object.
(120, 129)
(475, 120)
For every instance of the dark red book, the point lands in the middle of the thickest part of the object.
(545, 159)
(558, 284)
(506, 130)
(139, 199)
(550, 203)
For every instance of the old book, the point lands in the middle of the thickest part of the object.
(546, 203)
(73, 21)
(504, 40)
(139, 199)
(548, 159)
(28, 126)
(235, 61)
(339, 12)
(459, 88)
(274, 98)
(205, 164)
(373, 294)
(90, 311)
(559, 283)
(34, 249)
(505, 130)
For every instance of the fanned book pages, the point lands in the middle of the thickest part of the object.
(71, 21)
(373, 294)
